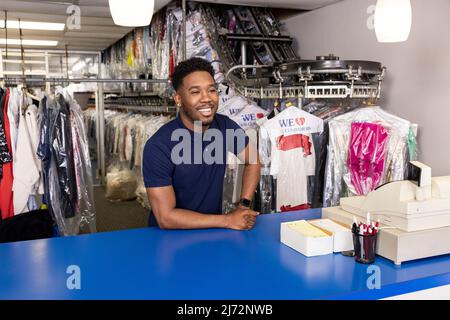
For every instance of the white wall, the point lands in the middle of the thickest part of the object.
(417, 83)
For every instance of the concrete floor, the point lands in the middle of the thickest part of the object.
(121, 215)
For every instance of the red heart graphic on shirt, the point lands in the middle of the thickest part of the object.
(259, 115)
(300, 121)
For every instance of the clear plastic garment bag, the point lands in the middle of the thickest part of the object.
(367, 147)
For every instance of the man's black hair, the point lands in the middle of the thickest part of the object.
(186, 67)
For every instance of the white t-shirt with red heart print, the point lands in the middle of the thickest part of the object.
(292, 153)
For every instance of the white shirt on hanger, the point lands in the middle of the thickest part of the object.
(34, 126)
(25, 168)
(292, 153)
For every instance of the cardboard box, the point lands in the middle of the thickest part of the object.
(307, 245)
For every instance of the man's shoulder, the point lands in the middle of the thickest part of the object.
(162, 137)
(223, 118)
(165, 132)
(226, 122)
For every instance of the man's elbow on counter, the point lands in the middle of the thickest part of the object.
(164, 223)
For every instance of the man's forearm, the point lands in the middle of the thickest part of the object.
(250, 180)
(187, 219)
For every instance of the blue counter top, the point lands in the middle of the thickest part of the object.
(201, 264)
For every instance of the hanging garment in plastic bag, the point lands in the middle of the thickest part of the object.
(233, 105)
(362, 156)
(60, 153)
(234, 172)
(266, 183)
(52, 191)
(83, 169)
(325, 111)
(62, 147)
(292, 156)
(248, 117)
(232, 183)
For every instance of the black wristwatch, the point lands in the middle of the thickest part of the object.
(245, 202)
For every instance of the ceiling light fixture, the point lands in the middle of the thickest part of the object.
(16, 42)
(132, 13)
(31, 25)
(393, 20)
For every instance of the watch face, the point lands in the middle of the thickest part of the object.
(246, 202)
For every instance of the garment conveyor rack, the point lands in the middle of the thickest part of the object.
(325, 77)
(313, 91)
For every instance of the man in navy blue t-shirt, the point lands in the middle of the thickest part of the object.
(184, 161)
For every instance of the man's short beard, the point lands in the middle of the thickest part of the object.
(207, 122)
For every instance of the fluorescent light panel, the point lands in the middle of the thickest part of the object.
(25, 42)
(31, 25)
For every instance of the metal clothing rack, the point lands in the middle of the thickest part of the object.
(157, 109)
(58, 80)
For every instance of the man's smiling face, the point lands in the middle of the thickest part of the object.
(198, 97)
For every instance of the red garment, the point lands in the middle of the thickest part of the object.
(366, 158)
(6, 183)
(135, 54)
(295, 208)
(285, 143)
(171, 63)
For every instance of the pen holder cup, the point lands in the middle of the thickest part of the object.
(365, 247)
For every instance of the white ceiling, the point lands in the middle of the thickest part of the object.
(98, 30)
(287, 4)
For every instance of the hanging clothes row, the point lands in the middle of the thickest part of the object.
(312, 157)
(199, 44)
(19, 166)
(66, 164)
(155, 50)
(127, 132)
(44, 152)
(325, 111)
(246, 114)
(125, 137)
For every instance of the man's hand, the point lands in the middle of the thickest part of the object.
(241, 219)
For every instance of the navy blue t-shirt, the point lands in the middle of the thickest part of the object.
(198, 183)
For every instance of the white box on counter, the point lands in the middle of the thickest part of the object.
(297, 235)
(342, 235)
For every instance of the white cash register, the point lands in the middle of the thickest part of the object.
(417, 210)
